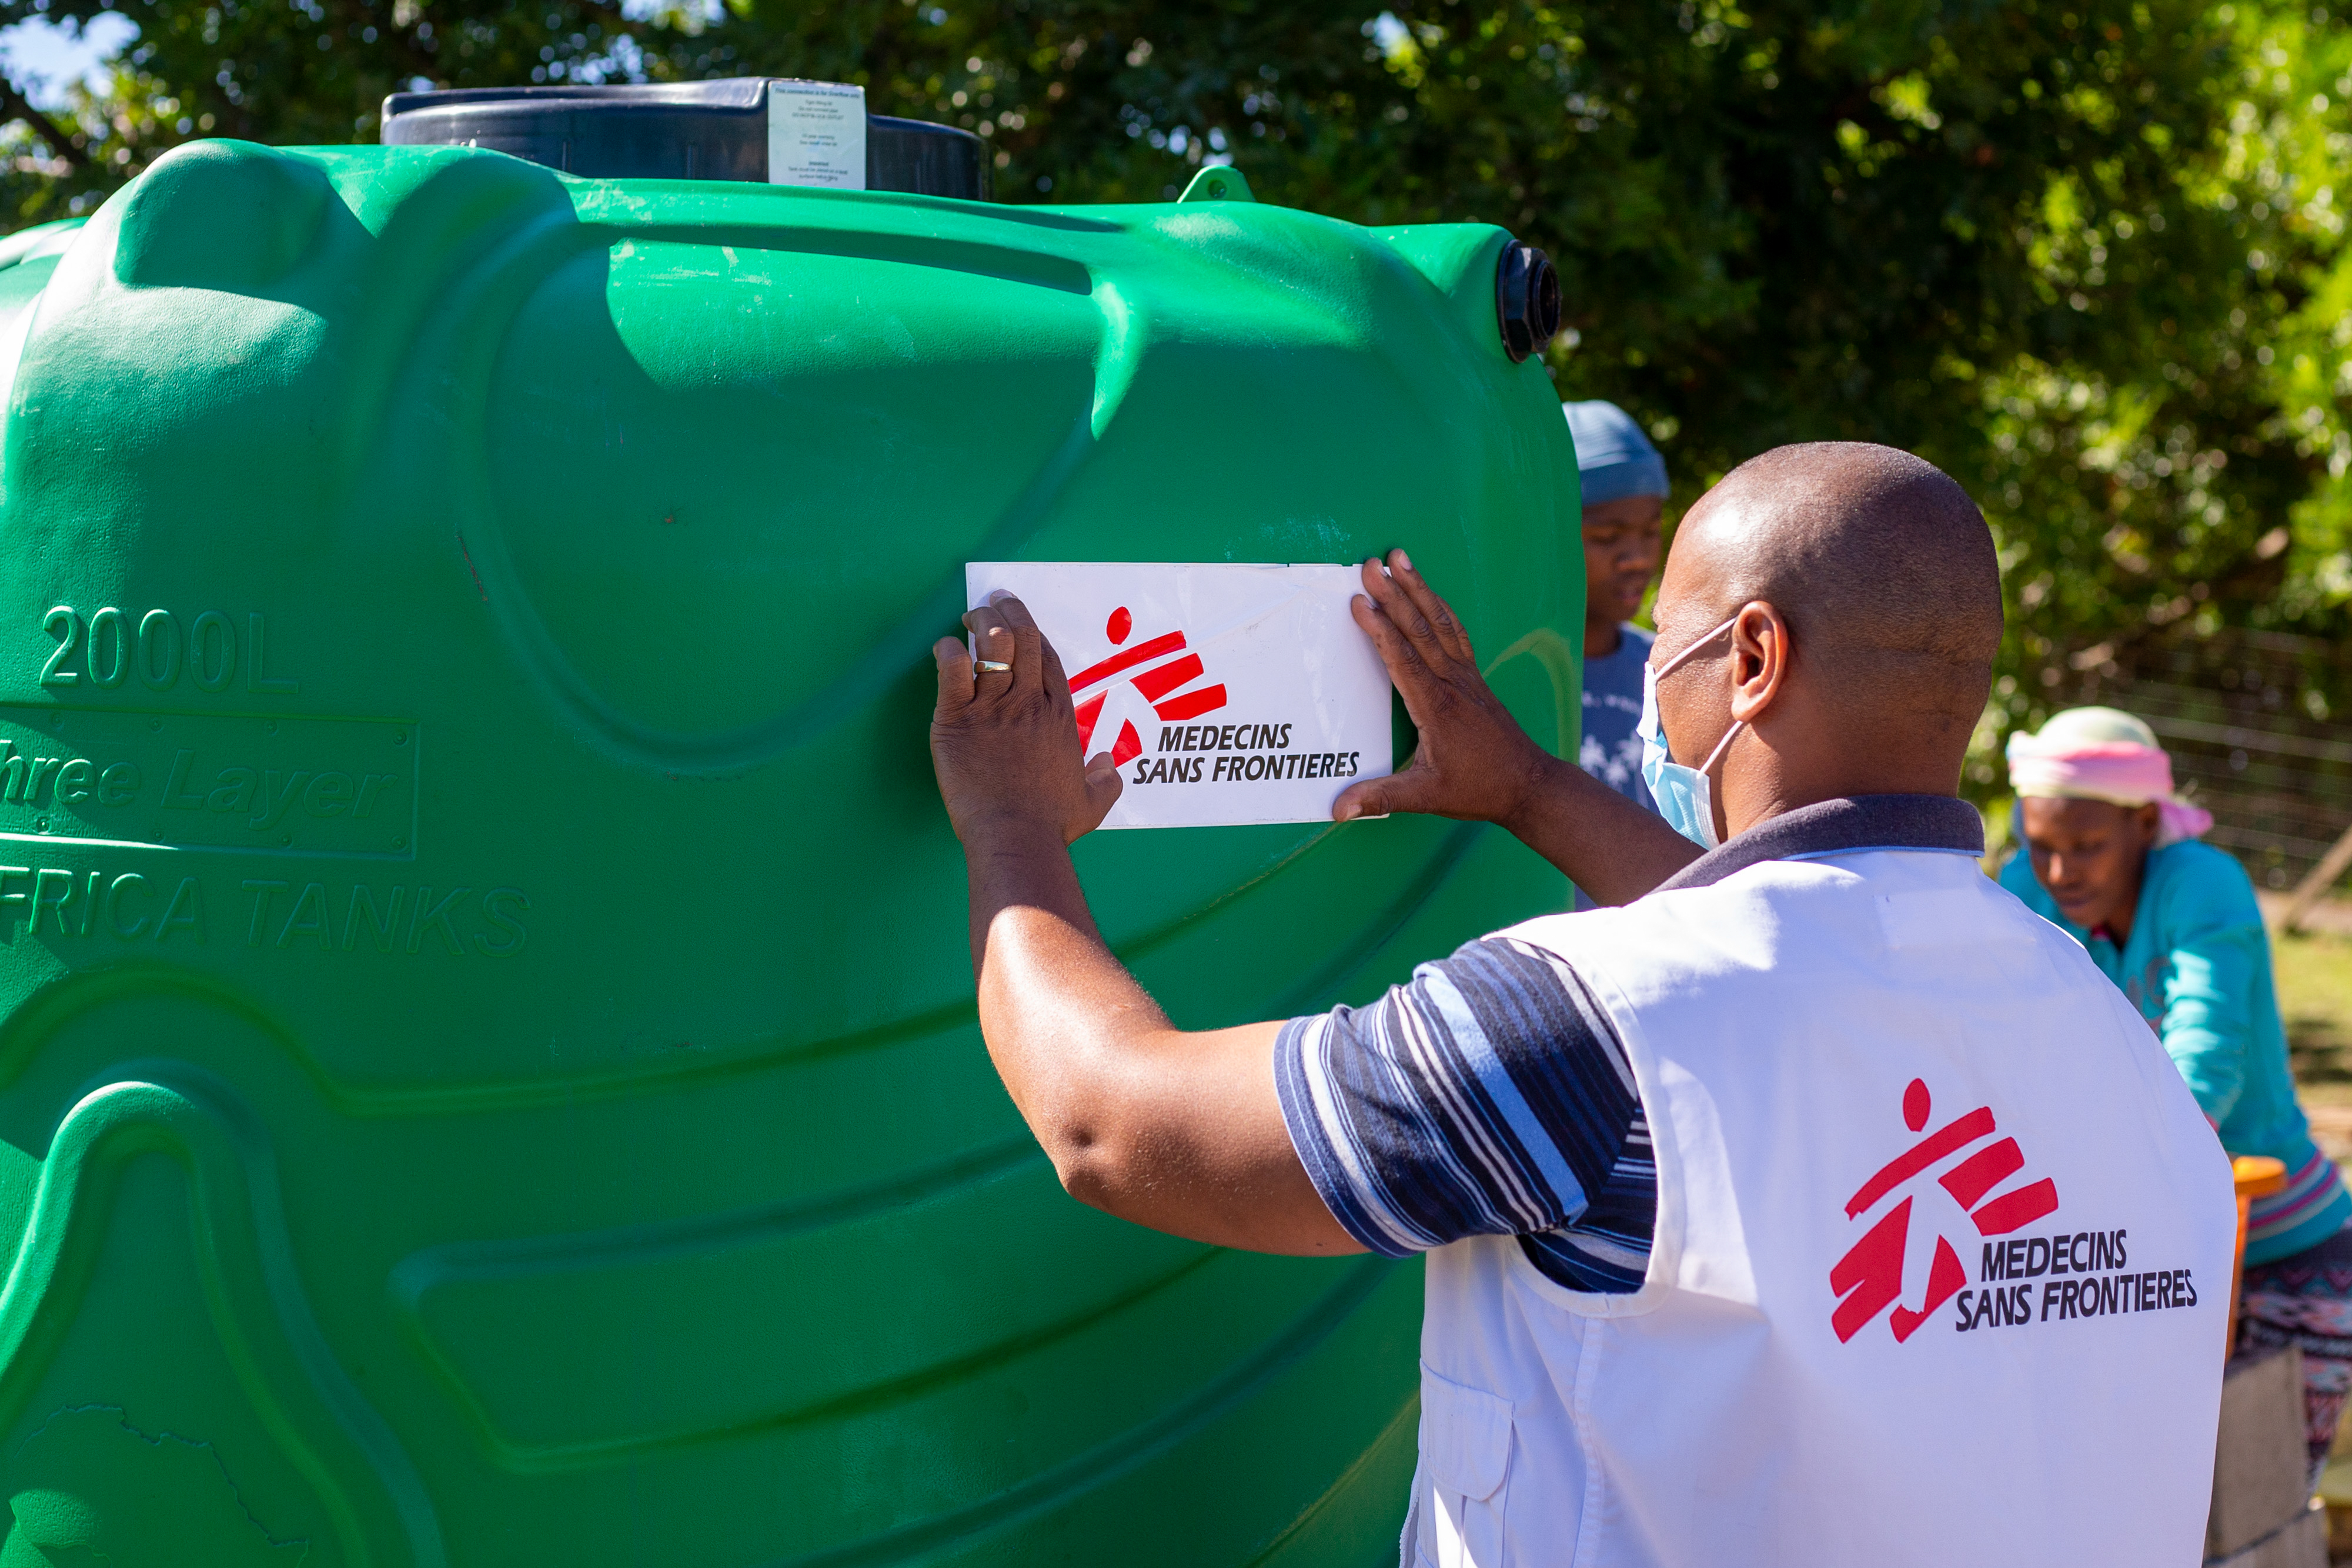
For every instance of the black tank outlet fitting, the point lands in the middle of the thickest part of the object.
(1526, 299)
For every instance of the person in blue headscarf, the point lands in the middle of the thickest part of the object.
(1624, 483)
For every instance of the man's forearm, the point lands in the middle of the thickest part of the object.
(1046, 977)
(1056, 1007)
(1181, 1132)
(1606, 844)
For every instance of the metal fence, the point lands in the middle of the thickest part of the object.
(2249, 742)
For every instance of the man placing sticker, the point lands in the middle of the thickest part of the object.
(1818, 1206)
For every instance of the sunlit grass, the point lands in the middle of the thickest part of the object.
(2315, 985)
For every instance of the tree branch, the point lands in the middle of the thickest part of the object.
(13, 105)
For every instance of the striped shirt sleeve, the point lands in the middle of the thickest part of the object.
(1490, 1096)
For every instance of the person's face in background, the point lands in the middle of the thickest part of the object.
(1621, 557)
(2089, 856)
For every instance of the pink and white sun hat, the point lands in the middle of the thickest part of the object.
(2102, 754)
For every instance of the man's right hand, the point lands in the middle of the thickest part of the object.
(1474, 762)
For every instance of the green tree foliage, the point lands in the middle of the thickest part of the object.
(2086, 254)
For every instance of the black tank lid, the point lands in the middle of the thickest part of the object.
(689, 131)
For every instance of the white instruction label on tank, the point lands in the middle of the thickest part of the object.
(1226, 693)
(816, 134)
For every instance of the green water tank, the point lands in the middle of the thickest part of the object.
(487, 1065)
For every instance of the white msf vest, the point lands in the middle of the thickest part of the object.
(1941, 1267)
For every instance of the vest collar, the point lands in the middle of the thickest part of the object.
(1846, 826)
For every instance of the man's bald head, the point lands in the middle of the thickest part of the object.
(1880, 564)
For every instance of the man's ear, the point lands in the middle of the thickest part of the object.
(2147, 819)
(1759, 651)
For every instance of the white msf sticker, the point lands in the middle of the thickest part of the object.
(1227, 695)
(816, 134)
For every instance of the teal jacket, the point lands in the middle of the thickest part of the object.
(2198, 967)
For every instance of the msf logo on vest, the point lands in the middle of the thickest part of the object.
(1962, 1159)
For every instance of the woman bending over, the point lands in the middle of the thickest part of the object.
(2113, 856)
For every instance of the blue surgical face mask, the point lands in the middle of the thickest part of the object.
(1684, 798)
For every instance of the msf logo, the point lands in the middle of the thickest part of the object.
(1155, 669)
(1869, 1277)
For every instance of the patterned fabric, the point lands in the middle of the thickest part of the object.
(2313, 1189)
(1609, 749)
(2104, 753)
(1490, 1096)
(2306, 1300)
